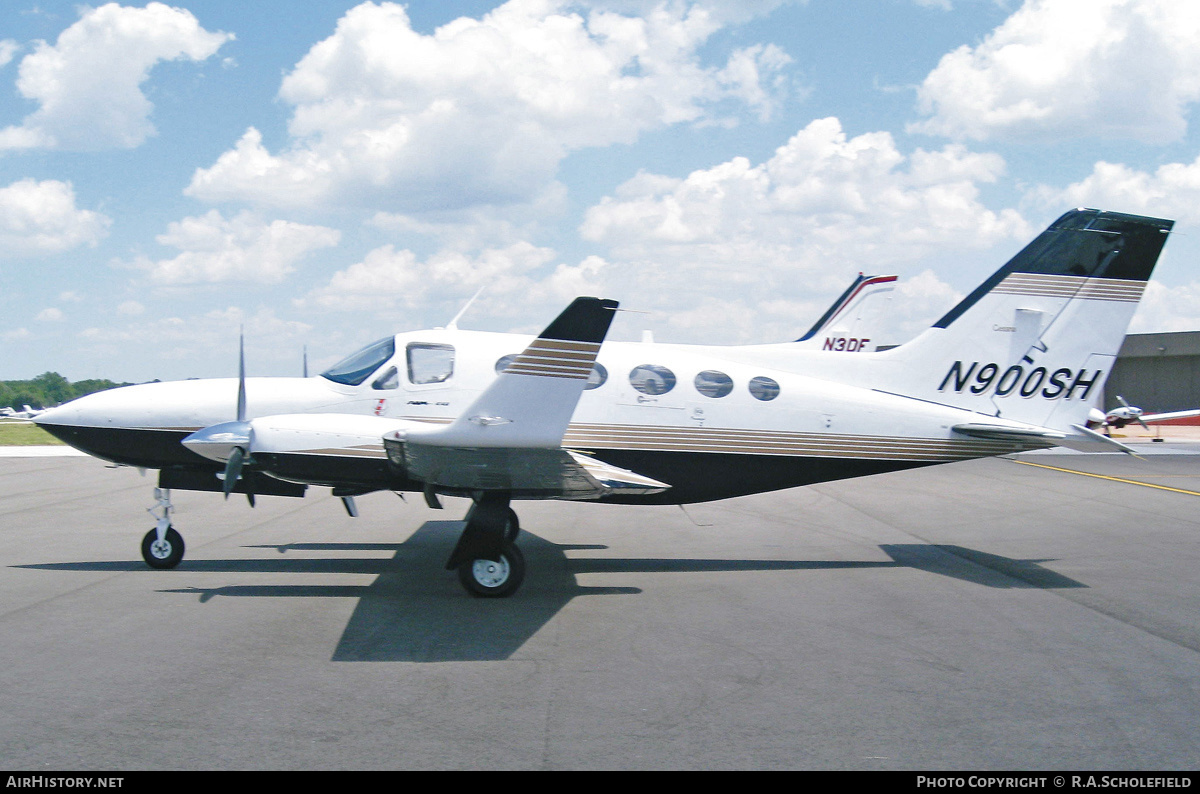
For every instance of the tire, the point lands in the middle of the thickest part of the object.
(166, 554)
(491, 579)
(512, 527)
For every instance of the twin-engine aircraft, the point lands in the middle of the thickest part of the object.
(498, 417)
(1126, 414)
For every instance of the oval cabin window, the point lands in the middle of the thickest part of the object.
(762, 388)
(712, 383)
(596, 377)
(652, 379)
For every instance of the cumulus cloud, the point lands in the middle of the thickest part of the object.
(8, 48)
(243, 248)
(40, 218)
(388, 278)
(1107, 68)
(206, 342)
(1171, 191)
(788, 234)
(1166, 308)
(88, 84)
(481, 112)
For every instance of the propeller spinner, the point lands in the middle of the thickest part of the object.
(228, 441)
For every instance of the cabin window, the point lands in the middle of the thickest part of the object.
(430, 363)
(596, 377)
(764, 389)
(652, 379)
(390, 379)
(712, 383)
(357, 367)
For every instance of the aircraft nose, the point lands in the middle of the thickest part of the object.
(81, 411)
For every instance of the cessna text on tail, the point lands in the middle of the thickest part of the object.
(565, 415)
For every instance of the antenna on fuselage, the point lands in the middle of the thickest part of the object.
(453, 325)
(306, 361)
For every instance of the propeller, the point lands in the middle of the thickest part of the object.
(1134, 413)
(228, 441)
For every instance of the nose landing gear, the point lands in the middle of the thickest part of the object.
(162, 547)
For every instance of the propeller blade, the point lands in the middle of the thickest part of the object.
(1142, 422)
(1121, 400)
(241, 403)
(233, 469)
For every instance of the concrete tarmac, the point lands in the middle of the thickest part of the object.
(984, 615)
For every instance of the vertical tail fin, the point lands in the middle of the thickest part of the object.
(1036, 341)
(847, 324)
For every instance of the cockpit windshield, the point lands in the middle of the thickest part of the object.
(356, 368)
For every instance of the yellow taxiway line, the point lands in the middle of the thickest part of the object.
(1106, 477)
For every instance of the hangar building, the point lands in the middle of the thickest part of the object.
(1157, 372)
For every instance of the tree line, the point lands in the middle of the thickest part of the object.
(48, 389)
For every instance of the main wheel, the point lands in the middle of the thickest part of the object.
(165, 553)
(492, 579)
(512, 527)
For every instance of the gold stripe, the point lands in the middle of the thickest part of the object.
(559, 355)
(343, 452)
(543, 373)
(562, 344)
(1071, 287)
(783, 443)
(576, 366)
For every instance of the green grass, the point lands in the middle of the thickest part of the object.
(21, 434)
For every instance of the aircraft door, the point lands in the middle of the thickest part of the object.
(427, 381)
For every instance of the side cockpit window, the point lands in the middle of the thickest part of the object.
(430, 363)
(357, 367)
(388, 380)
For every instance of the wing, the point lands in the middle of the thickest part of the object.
(510, 438)
(1167, 417)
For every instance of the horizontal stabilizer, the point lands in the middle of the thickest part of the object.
(1082, 440)
(1090, 441)
(1010, 433)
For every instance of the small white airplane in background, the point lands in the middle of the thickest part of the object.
(25, 413)
(565, 415)
(1119, 417)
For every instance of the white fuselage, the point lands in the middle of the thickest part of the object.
(757, 417)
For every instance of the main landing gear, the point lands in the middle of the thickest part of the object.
(487, 559)
(163, 546)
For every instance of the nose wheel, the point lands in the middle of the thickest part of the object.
(164, 552)
(162, 547)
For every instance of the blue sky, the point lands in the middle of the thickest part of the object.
(326, 173)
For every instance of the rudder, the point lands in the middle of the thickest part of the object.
(1036, 341)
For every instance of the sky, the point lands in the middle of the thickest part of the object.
(322, 174)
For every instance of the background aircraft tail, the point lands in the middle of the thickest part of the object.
(1036, 341)
(849, 324)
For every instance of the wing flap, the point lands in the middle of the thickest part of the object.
(523, 473)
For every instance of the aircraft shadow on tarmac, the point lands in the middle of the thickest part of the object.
(416, 611)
